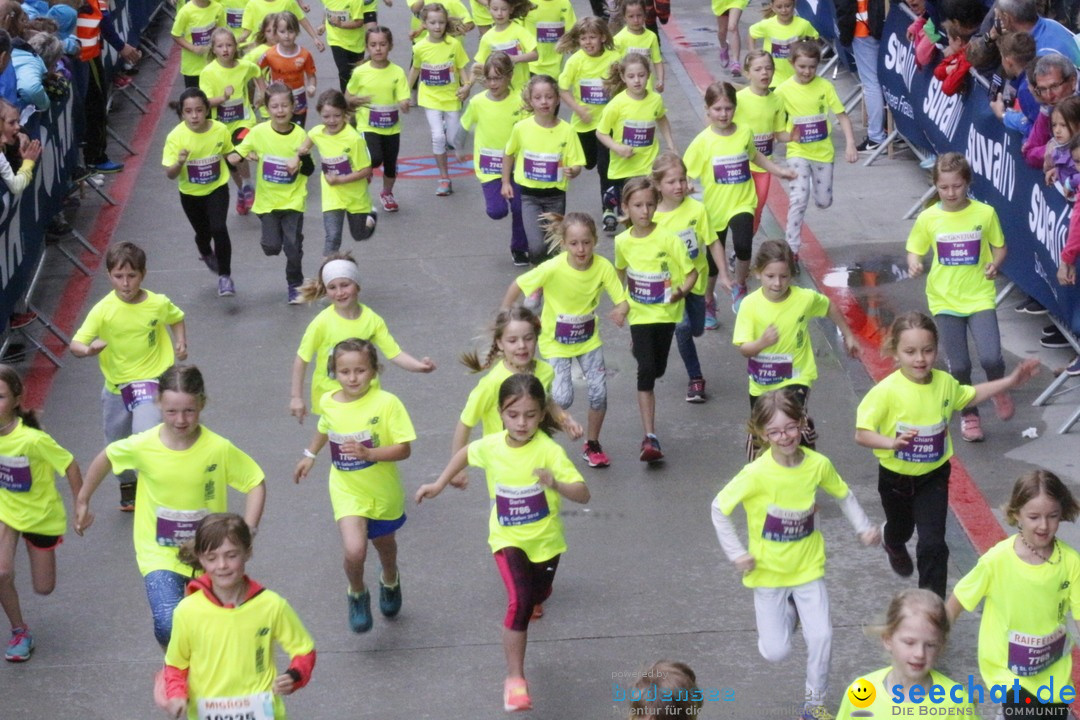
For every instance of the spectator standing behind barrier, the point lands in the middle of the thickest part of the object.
(16, 147)
(33, 61)
(93, 24)
(1017, 53)
(1022, 16)
(8, 83)
(1054, 80)
(860, 23)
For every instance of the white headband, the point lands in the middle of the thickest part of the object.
(340, 269)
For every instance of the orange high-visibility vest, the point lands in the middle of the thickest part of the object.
(88, 31)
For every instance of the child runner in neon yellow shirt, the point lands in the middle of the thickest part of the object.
(191, 30)
(777, 32)
(509, 35)
(548, 21)
(635, 37)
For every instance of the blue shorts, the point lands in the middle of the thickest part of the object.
(378, 528)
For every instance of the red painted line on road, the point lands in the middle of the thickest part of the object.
(40, 378)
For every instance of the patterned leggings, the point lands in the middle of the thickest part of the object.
(815, 174)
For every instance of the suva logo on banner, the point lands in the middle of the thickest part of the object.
(992, 160)
(942, 110)
(1048, 225)
(900, 58)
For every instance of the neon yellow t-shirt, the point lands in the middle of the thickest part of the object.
(722, 163)
(387, 87)
(229, 651)
(234, 15)
(568, 323)
(204, 171)
(29, 462)
(541, 154)
(351, 39)
(808, 107)
(454, 8)
(690, 222)
(177, 489)
(547, 22)
(762, 115)
(791, 360)
(780, 510)
(236, 112)
(481, 14)
(1023, 632)
(256, 10)
(483, 403)
(655, 265)
(195, 24)
(358, 487)
(961, 242)
(524, 514)
(327, 330)
(583, 76)
(275, 188)
(634, 124)
(514, 40)
(897, 404)
(137, 335)
(645, 43)
(494, 120)
(341, 154)
(441, 65)
(777, 41)
(883, 705)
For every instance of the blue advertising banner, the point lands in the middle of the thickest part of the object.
(821, 14)
(1034, 217)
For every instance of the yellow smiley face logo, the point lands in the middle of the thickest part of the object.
(861, 693)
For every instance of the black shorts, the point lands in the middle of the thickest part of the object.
(43, 542)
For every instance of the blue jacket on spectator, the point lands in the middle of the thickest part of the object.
(9, 85)
(35, 8)
(65, 18)
(1052, 35)
(30, 73)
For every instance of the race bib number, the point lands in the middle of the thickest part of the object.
(491, 161)
(234, 17)
(763, 143)
(138, 393)
(383, 116)
(574, 329)
(336, 165)
(15, 473)
(337, 16)
(436, 75)
(510, 48)
(648, 288)
(1031, 654)
(781, 49)
(259, 706)
(812, 128)
(638, 133)
(593, 92)
(731, 169)
(549, 32)
(299, 100)
(961, 248)
(200, 36)
(927, 446)
(231, 111)
(770, 369)
(689, 238)
(343, 461)
(204, 171)
(520, 505)
(276, 170)
(175, 527)
(542, 167)
(787, 525)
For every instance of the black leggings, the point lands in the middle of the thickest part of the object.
(919, 503)
(345, 60)
(596, 156)
(384, 151)
(742, 235)
(207, 216)
(651, 347)
(527, 584)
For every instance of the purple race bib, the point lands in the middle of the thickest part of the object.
(961, 248)
(542, 167)
(200, 37)
(520, 505)
(15, 473)
(299, 100)
(927, 446)
(763, 143)
(781, 49)
(138, 393)
(787, 525)
(175, 527)
(436, 75)
(275, 170)
(812, 128)
(234, 17)
(549, 32)
(593, 92)
(638, 133)
(574, 329)
(383, 116)
(1031, 654)
(491, 161)
(510, 48)
(344, 462)
(648, 288)
(204, 171)
(231, 111)
(770, 369)
(731, 169)
(336, 165)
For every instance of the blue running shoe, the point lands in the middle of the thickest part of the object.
(360, 619)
